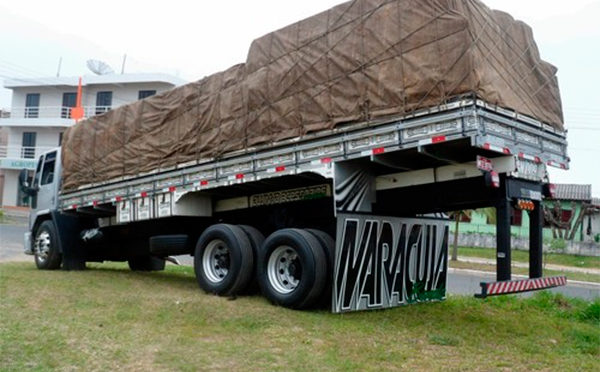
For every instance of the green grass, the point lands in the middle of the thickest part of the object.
(108, 318)
(523, 256)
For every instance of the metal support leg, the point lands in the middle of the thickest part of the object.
(503, 210)
(536, 220)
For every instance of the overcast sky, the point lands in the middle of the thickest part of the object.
(193, 39)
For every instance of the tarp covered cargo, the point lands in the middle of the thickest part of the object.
(361, 60)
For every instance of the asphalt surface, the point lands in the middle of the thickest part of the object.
(460, 282)
(11, 243)
(467, 282)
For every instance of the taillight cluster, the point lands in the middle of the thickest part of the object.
(526, 205)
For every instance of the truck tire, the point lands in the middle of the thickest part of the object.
(328, 243)
(169, 245)
(45, 247)
(146, 263)
(256, 241)
(223, 260)
(292, 268)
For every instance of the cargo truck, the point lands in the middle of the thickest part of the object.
(346, 209)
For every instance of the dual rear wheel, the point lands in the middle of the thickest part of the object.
(291, 266)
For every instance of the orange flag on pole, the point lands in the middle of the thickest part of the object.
(77, 111)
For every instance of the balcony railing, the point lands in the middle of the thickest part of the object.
(51, 112)
(23, 152)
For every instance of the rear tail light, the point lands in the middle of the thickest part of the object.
(526, 205)
(495, 179)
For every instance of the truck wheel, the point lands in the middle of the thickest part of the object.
(256, 241)
(292, 268)
(45, 247)
(223, 260)
(328, 244)
(146, 263)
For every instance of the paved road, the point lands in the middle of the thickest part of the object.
(463, 282)
(466, 282)
(11, 243)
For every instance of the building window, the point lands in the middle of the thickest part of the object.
(28, 145)
(516, 217)
(465, 217)
(60, 137)
(565, 215)
(103, 102)
(69, 101)
(146, 93)
(32, 105)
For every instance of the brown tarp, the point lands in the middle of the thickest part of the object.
(360, 60)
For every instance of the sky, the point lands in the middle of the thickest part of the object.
(192, 39)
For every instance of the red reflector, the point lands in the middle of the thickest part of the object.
(552, 190)
(280, 169)
(326, 160)
(94, 203)
(379, 150)
(118, 198)
(438, 139)
(172, 189)
(74, 206)
(537, 159)
(563, 166)
(486, 146)
(203, 183)
(144, 194)
(239, 176)
(495, 179)
(506, 150)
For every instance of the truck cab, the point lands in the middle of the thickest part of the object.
(42, 188)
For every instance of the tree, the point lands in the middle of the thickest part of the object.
(457, 217)
(553, 216)
(490, 213)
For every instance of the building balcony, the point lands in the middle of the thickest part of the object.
(19, 157)
(59, 116)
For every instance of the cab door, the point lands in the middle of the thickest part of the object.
(46, 182)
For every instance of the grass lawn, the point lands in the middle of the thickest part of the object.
(109, 318)
(523, 256)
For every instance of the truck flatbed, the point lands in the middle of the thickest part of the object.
(464, 129)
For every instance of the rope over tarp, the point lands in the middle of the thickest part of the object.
(361, 60)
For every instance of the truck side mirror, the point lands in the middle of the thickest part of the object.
(24, 183)
(23, 179)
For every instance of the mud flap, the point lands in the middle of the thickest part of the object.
(383, 262)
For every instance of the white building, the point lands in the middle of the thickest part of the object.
(41, 110)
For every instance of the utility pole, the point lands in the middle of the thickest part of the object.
(123, 65)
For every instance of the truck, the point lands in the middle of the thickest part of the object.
(349, 214)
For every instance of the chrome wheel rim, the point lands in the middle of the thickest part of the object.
(216, 260)
(42, 246)
(284, 269)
